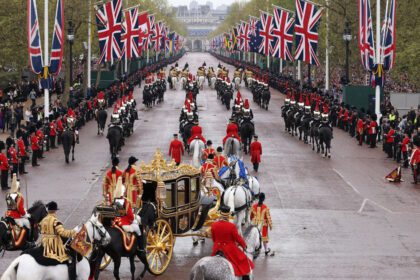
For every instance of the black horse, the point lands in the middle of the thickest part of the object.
(265, 98)
(101, 116)
(69, 138)
(325, 136)
(7, 242)
(247, 131)
(314, 134)
(115, 139)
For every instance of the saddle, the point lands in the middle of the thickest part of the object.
(18, 234)
(128, 238)
(38, 254)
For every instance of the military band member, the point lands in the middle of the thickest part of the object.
(22, 155)
(260, 216)
(4, 167)
(52, 232)
(110, 181)
(132, 181)
(12, 156)
(176, 149)
(52, 135)
(404, 149)
(415, 158)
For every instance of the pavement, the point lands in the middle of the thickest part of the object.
(333, 218)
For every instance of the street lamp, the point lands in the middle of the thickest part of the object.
(347, 38)
(70, 38)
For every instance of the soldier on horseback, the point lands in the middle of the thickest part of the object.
(231, 131)
(247, 111)
(16, 208)
(196, 132)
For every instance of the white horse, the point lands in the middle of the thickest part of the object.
(237, 82)
(238, 198)
(201, 80)
(219, 268)
(25, 267)
(197, 145)
(232, 146)
(174, 81)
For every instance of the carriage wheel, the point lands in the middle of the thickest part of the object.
(106, 260)
(159, 247)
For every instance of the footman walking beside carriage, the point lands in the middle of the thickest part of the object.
(260, 216)
(176, 149)
(256, 152)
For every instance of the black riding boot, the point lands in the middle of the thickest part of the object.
(71, 266)
(245, 277)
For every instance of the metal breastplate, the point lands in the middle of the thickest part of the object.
(119, 207)
(11, 201)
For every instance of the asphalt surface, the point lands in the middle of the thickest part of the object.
(333, 218)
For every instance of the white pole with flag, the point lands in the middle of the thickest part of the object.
(327, 50)
(89, 55)
(299, 71)
(46, 59)
(378, 58)
(281, 65)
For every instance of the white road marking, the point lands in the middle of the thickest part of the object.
(363, 205)
(347, 182)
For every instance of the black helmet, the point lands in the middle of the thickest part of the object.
(132, 160)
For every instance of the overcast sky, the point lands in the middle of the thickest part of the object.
(202, 2)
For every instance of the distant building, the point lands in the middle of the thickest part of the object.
(200, 21)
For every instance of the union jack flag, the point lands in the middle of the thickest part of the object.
(34, 39)
(131, 32)
(252, 25)
(245, 36)
(306, 31)
(266, 33)
(283, 30)
(145, 30)
(388, 38)
(240, 36)
(255, 39)
(57, 40)
(152, 30)
(366, 41)
(108, 20)
(157, 35)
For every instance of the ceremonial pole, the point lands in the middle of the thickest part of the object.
(46, 59)
(281, 65)
(378, 58)
(89, 56)
(327, 50)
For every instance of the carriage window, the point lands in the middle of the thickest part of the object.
(170, 199)
(194, 189)
(183, 192)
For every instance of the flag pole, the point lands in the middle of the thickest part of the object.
(281, 65)
(46, 58)
(378, 57)
(89, 58)
(327, 50)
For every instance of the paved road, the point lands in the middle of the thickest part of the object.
(333, 218)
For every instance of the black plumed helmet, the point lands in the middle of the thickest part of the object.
(52, 206)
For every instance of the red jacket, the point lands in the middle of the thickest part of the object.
(256, 152)
(226, 239)
(20, 211)
(207, 152)
(13, 155)
(176, 150)
(4, 162)
(415, 157)
(360, 126)
(34, 143)
(128, 218)
(40, 134)
(208, 167)
(404, 144)
(390, 136)
(372, 128)
(53, 132)
(196, 131)
(60, 127)
(21, 146)
(220, 161)
(231, 130)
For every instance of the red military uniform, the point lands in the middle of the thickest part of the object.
(260, 216)
(196, 131)
(256, 152)
(60, 127)
(39, 134)
(128, 218)
(21, 147)
(19, 212)
(13, 155)
(176, 150)
(390, 136)
(110, 181)
(372, 128)
(359, 128)
(226, 239)
(53, 131)
(207, 152)
(4, 162)
(415, 157)
(208, 166)
(133, 184)
(231, 131)
(404, 144)
(220, 161)
(34, 143)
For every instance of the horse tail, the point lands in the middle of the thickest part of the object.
(196, 154)
(197, 272)
(11, 271)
